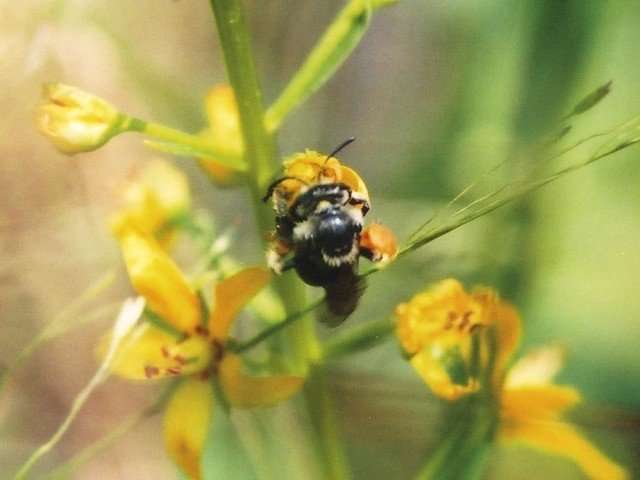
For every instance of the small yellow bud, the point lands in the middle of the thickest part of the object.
(224, 132)
(76, 121)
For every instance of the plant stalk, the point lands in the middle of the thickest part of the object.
(198, 145)
(260, 158)
(322, 414)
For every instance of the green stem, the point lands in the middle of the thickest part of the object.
(273, 329)
(322, 415)
(439, 461)
(199, 146)
(462, 455)
(260, 157)
(259, 145)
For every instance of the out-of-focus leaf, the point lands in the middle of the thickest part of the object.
(181, 150)
(335, 46)
(224, 456)
(592, 99)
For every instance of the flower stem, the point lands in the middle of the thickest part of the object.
(329, 442)
(260, 158)
(461, 456)
(260, 146)
(273, 329)
(181, 143)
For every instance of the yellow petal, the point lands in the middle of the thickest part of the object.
(186, 422)
(231, 295)
(538, 367)
(437, 379)
(539, 402)
(156, 277)
(246, 391)
(562, 439)
(149, 353)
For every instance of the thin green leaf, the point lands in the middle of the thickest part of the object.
(335, 46)
(224, 456)
(181, 150)
(622, 137)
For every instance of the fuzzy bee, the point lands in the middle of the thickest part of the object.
(320, 207)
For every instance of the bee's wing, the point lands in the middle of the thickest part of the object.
(342, 296)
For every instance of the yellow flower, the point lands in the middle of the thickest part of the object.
(224, 131)
(195, 347)
(159, 195)
(435, 328)
(76, 121)
(439, 328)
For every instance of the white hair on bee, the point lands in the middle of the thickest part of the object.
(274, 261)
(355, 214)
(303, 230)
(348, 258)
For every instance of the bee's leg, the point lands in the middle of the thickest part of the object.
(378, 243)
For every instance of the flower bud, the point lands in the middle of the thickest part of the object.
(224, 132)
(76, 121)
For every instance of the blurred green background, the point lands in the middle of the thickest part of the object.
(437, 94)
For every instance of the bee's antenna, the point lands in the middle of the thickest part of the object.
(347, 142)
(277, 182)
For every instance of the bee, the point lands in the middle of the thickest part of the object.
(320, 206)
